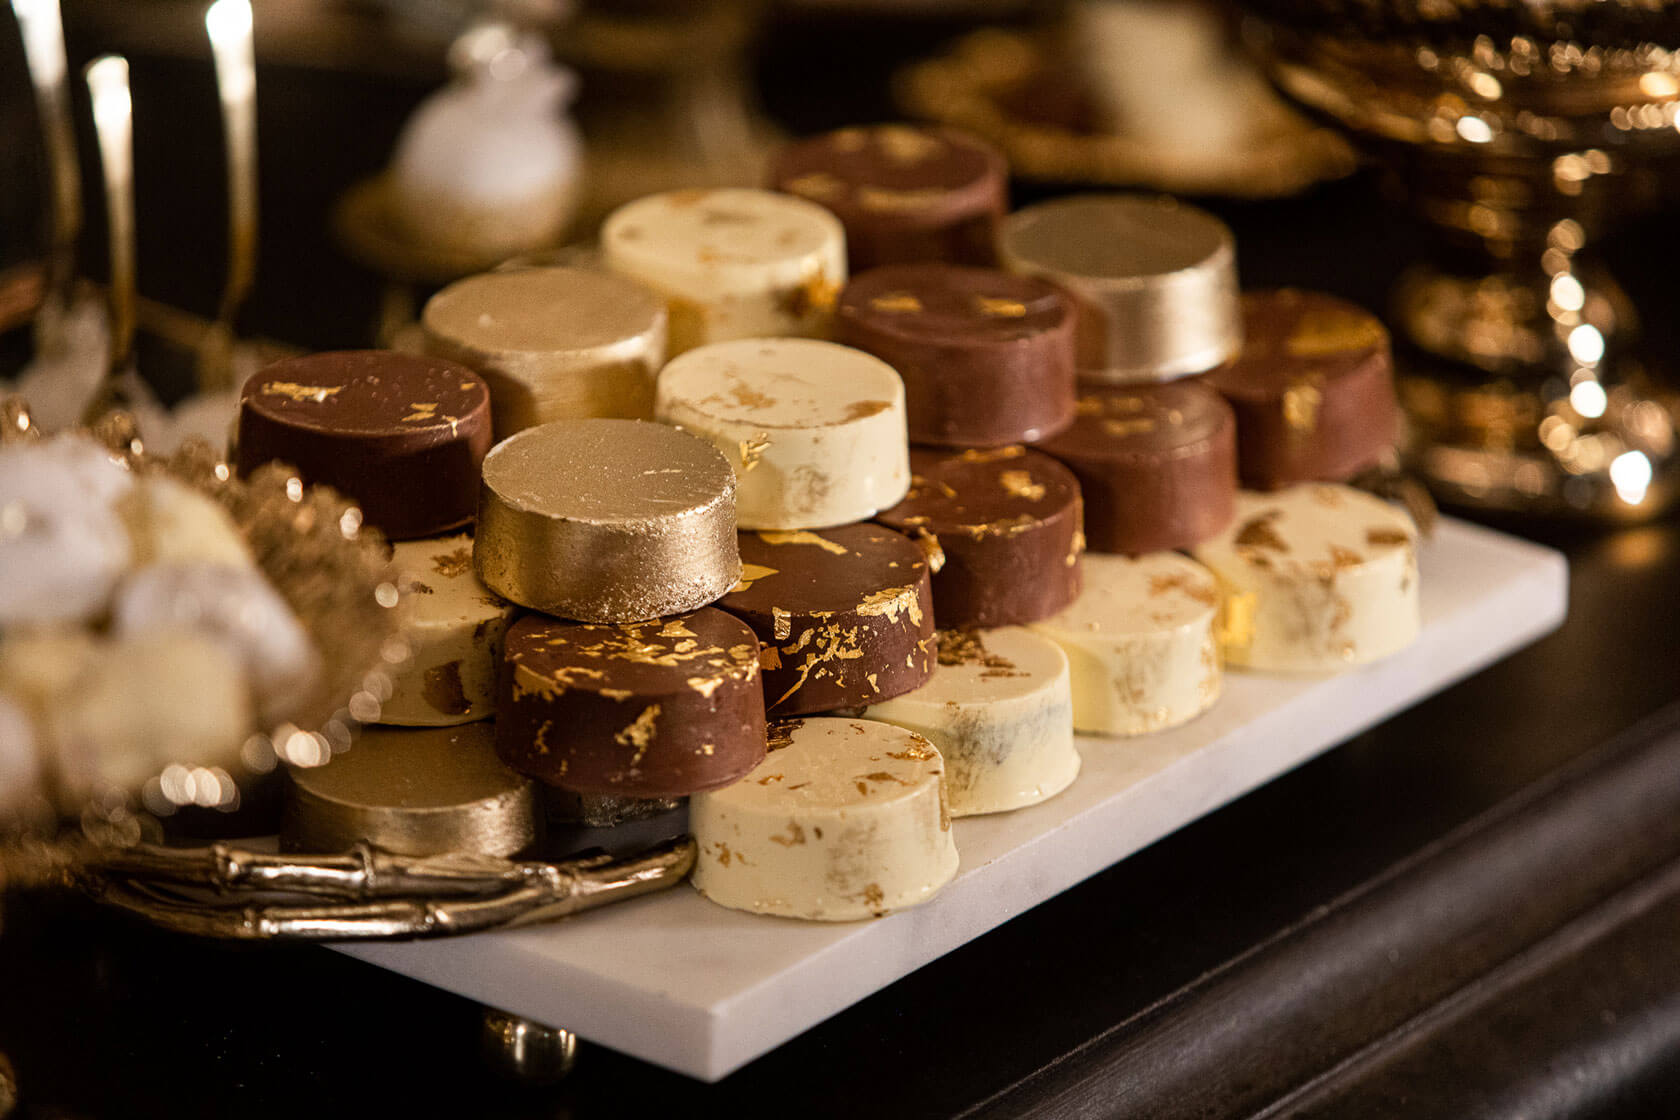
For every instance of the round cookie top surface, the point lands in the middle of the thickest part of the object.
(413, 768)
(720, 229)
(951, 305)
(1147, 594)
(1142, 421)
(1116, 237)
(862, 567)
(688, 652)
(1309, 532)
(370, 394)
(543, 310)
(782, 383)
(892, 170)
(834, 765)
(608, 472)
(978, 666)
(1291, 335)
(977, 493)
(437, 582)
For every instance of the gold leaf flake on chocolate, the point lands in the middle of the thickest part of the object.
(782, 623)
(779, 733)
(887, 200)
(801, 536)
(1300, 406)
(1322, 332)
(705, 686)
(453, 565)
(639, 734)
(316, 394)
(752, 450)
(907, 145)
(819, 185)
(891, 602)
(992, 454)
(1121, 428)
(1020, 484)
(896, 303)
(676, 629)
(423, 411)
(931, 549)
(1000, 308)
(751, 574)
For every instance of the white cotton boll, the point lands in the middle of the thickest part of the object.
(171, 523)
(235, 607)
(145, 702)
(62, 544)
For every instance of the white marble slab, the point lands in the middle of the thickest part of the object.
(678, 981)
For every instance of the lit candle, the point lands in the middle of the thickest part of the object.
(113, 123)
(228, 23)
(43, 49)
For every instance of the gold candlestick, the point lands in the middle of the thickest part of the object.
(43, 47)
(228, 23)
(1519, 131)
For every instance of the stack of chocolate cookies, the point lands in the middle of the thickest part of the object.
(839, 558)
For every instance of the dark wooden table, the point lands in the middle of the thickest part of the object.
(1471, 911)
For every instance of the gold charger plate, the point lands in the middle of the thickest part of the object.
(1014, 89)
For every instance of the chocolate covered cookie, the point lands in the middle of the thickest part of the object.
(401, 434)
(845, 615)
(1008, 523)
(903, 192)
(644, 709)
(987, 358)
(1313, 389)
(1157, 465)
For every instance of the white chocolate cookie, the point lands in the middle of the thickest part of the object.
(731, 263)
(1000, 710)
(844, 819)
(1140, 642)
(454, 627)
(815, 431)
(1315, 578)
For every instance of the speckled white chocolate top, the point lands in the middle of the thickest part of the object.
(781, 383)
(1137, 595)
(981, 666)
(438, 586)
(1308, 531)
(835, 765)
(736, 237)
